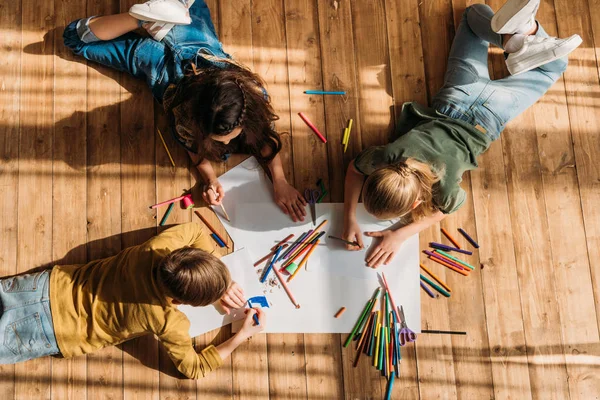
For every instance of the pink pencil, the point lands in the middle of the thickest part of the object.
(286, 288)
(171, 201)
(311, 126)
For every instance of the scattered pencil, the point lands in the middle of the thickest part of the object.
(443, 332)
(388, 391)
(449, 248)
(343, 240)
(218, 240)
(165, 146)
(265, 258)
(469, 238)
(210, 227)
(442, 258)
(436, 287)
(340, 312)
(345, 136)
(312, 127)
(288, 237)
(163, 221)
(304, 260)
(460, 271)
(295, 244)
(286, 288)
(435, 277)
(461, 262)
(175, 200)
(348, 135)
(270, 267)
(324, 92)
(426, 289)
(450, 238)
(368, 306)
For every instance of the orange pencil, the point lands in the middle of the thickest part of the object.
(460, 271)
(450, 238)
(211, 228)
(304, 260)
(306, 241)
(435, 277)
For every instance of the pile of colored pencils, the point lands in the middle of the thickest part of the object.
(441, 255)
(377, 333)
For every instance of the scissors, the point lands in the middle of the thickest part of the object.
(406, 335)
(312, 196)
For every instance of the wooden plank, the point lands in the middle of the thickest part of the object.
(140, 361)
(34, 233)
(69, 190)
(105, 367)
(339, 73)
(10, 97)
(576, 299)
(218, 384)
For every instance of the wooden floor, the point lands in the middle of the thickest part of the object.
(80, 163)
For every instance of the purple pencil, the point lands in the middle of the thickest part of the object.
(295, 245)
(469, 238)
(449, 248)
(429, 292)
(435, 255)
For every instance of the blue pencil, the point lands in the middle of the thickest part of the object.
(255, 316)
(270, 267)
(217, 239)
(444, 247)
(322, 92)
(388, 391)
(469, 238)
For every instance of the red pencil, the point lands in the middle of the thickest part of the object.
(311, 126)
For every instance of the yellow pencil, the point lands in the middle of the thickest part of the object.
(304, 260)
(348, 135)
(345, 137)
(165, 146)
(306, 241)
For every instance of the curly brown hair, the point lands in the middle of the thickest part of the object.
(215, 101)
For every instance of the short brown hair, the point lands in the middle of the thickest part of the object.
(391, 191)
(193, 276)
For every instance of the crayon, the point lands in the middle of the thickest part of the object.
(340, 312)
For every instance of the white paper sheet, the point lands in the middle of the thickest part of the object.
(334, 277)
(205, 319)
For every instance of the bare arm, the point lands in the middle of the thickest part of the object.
(289, 200)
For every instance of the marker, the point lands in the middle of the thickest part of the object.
(469, 238)
(323, 92)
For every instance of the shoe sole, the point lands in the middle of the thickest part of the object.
(505, 20)
(142, 16)
(541, 59)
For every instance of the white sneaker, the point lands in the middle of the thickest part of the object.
(538, 51)
(169, 11)
(515, 16)
(158, 30)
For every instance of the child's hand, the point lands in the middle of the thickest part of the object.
(233, 298)
(353, 233)
(289, 200)
(213, 193)
(385, 251)
(249, 328)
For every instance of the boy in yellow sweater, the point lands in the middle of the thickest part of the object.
(76, 309)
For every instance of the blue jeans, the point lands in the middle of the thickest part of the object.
(470, 95)
(26, 323)
(159, 63)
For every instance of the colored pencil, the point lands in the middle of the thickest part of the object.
(165, 146)
(348, 135)
(294, 245)
(435, 277)
(293, 259)
(312, 127)
(298, 245)
(387, 288)
(222, 206)
(441, 252)
(444, 332)
(345, 136)
(284, 241)
(323, 92)
(362, 325)
(210, 227)
(362, 342)
(310, 238)
(433, 285)
(365, 331)
(304, 260)
(270, 267)
(460, 271)
(425, 288)
(162, 203)
(216, 239)
(265, 258)
(358, 322)
(450, 238)
(453, 261)
(373, 335)
(389, 388)
(322, 196)
(343, 240)
(303, 249)
(286, 288)
(163, 220)
(449, 248)
(255, 316)
(469, 238)
(442, 258)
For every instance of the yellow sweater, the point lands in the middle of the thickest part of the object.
(106, 302)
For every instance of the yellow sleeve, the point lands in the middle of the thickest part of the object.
(189, 234)
(178, 343)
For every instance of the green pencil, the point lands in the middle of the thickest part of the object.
(164, 218)
(454, 258)
(436, 287)
(358, 323)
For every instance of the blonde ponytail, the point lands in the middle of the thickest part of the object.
(391, 191)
